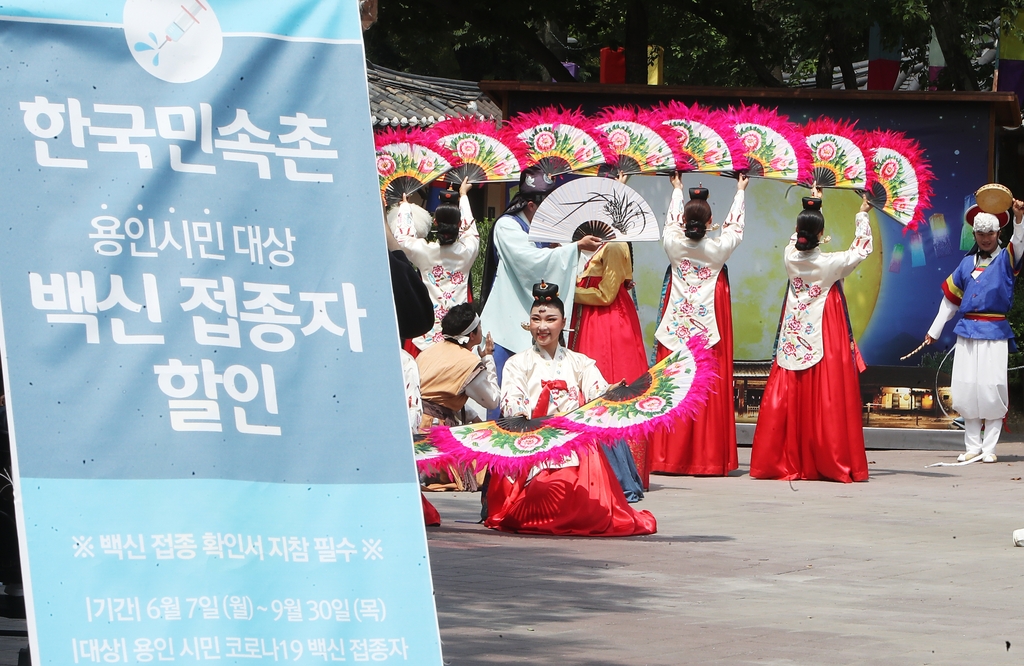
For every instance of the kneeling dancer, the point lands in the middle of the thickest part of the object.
(579, 495)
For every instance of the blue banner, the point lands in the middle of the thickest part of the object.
(212, 456)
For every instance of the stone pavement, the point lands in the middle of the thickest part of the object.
(916, 566)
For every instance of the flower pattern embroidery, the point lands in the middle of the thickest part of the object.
(800, 335)
(685, 313)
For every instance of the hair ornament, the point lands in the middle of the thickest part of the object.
(812, 203)
(544, 292)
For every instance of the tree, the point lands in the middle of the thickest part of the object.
(707, 42)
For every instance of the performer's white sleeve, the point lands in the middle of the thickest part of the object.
(860, 248)
(946, 312)
(674, 236)
(405, 233)
(722, 248)
(411, 374)
(592, 382)
(1016, 246)
(484, 387)
(515, 399)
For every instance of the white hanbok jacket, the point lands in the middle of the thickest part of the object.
(696, 265)
(445, 269)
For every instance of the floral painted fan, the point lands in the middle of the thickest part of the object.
(508, 445)
(560, 141)
(902, 186)
(479, 152)
(428, 457)
(635, 148)
(774, 147)
(704, 140)
(837, 159)
(675, 387)
(405, 163)
(594, 206)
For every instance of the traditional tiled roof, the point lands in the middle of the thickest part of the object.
(398, 99)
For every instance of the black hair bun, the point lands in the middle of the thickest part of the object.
(544, 292)
(812, 203)
(700, 193)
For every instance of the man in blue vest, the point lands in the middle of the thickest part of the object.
(981, 291)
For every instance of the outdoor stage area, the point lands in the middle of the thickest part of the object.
(915, 566)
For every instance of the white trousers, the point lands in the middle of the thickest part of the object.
(979, 379)
(973, 439)
(979, 390)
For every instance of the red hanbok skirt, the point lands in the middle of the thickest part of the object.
(706, 444)
(810, 425)
(611, 335)
(430, 515)
(577, 501)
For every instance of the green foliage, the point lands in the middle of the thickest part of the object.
(707, 42)
(477, 272)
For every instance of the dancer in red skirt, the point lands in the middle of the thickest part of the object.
(810, 423)
(697, 302)
(576, 496)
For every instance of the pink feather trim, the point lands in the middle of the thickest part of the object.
(391, 135)
(434, 464)
(695, 400)
(630, 114)
(471, 125)
(772, 119)
(588, 437)
(910, 149)
(716, 120)
(556, 116)
(846, 129)
(442, 438)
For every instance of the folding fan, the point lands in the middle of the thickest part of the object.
(704, 140)
(560, 141)
(837, 160)
(634, 147)
(428, 457)
(902, 184)
(595, 206)
(677, 386)
(405, 163)
(508, 445)
(478, 151)
(773, 146)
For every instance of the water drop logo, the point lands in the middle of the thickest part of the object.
(175, 41)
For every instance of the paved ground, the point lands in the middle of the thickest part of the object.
(915, 566)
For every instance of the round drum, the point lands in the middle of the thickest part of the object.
(994, 198)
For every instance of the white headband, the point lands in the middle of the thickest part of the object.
(985, 223)
(463, 338)
(472, 325)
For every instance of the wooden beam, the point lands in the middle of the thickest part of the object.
(1005, 108)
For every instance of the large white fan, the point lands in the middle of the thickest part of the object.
(594, 206)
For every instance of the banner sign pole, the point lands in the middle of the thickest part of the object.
(212, 460)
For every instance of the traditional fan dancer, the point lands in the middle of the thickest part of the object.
(606, 328)
(446, 264)
(810, 424)
(579, 496)
(697, 302)
(981, 289)
(514, 263)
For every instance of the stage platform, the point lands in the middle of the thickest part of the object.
(911, 439)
